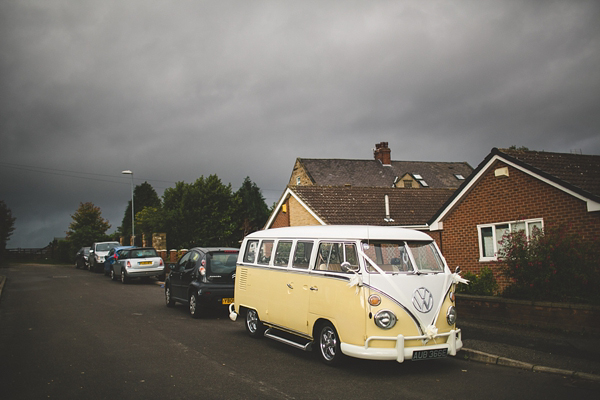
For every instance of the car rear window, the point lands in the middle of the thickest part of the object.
(142, 253)
(222, 262)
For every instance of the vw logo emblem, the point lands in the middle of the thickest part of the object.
(422, 300)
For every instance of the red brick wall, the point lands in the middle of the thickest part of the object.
(503, 199)
(282, 219)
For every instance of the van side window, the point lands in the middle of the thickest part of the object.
(302, 254)
(282, 254)
(264, 254)
(250, 253)
(331, 256)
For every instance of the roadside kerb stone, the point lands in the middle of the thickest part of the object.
(2, 280)
(585, 375)
(508, 362)
(558, 371)
(480, 356)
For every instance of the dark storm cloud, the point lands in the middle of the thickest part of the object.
(176, 90)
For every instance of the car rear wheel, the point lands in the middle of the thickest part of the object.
(194, 306)
(113, 276)
(168, 299)
(329, 344)
(124, 277)
(254, 326)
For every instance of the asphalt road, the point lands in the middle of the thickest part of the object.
(68, 333)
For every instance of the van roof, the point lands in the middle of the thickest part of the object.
(352, 232)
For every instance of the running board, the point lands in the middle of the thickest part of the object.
(272, 335)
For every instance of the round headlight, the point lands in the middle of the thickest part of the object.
(385, 319)
(451, 315)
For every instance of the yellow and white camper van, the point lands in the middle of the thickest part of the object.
(379, 293)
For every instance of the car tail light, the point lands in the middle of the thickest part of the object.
(128, 264)
(161, 263)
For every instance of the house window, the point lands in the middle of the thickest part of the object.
(298, 181)
(490, 235)
(459, 177)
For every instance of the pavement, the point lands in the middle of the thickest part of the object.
(565, 354)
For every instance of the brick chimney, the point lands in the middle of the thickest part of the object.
(383, 153)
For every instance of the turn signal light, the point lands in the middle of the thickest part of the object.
(374, 300)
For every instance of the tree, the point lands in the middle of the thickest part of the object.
(7, 227)
(144, 196)
(252, 212)
(199, 214)
(87, 227)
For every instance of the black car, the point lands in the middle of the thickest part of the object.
(202, 278)
(81, 258)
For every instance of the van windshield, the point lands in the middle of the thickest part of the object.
(395, 257)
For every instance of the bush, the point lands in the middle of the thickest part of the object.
(483, 285)
(554, 265)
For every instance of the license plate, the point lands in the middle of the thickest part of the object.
(145, 262)
(429, 354)
(227, 300)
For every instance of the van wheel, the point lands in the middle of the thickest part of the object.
(329, 344)
(194, 305)
(254, 327)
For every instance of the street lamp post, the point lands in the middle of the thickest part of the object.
(128, 172)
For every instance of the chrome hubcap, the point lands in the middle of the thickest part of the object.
(251, 320)
(328, 343)
(192, 304)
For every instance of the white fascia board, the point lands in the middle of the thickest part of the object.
(288, 192)
(306, 207)
(591, 204)
(438, 224)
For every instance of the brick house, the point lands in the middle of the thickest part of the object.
(379, 191)
(513, 190)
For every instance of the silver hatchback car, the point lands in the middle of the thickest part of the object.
(137, 262)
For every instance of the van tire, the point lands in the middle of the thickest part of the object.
(254, 326)
(328, 344)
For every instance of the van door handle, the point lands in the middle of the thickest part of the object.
(290, 286)
(314, 288)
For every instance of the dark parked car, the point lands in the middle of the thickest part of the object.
(202, 278)
(137, 262)
(81, 258)
(112, 257)
(98, 252)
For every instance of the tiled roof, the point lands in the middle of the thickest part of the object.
(371, 173)
(339, 205)
(580, 171)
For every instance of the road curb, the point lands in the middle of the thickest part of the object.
(2, 280)
(480, 356)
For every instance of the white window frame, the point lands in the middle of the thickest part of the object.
(495, 240)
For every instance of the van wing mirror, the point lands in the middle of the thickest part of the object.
(347, 267)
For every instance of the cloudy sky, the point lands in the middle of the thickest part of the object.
(174, 90)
